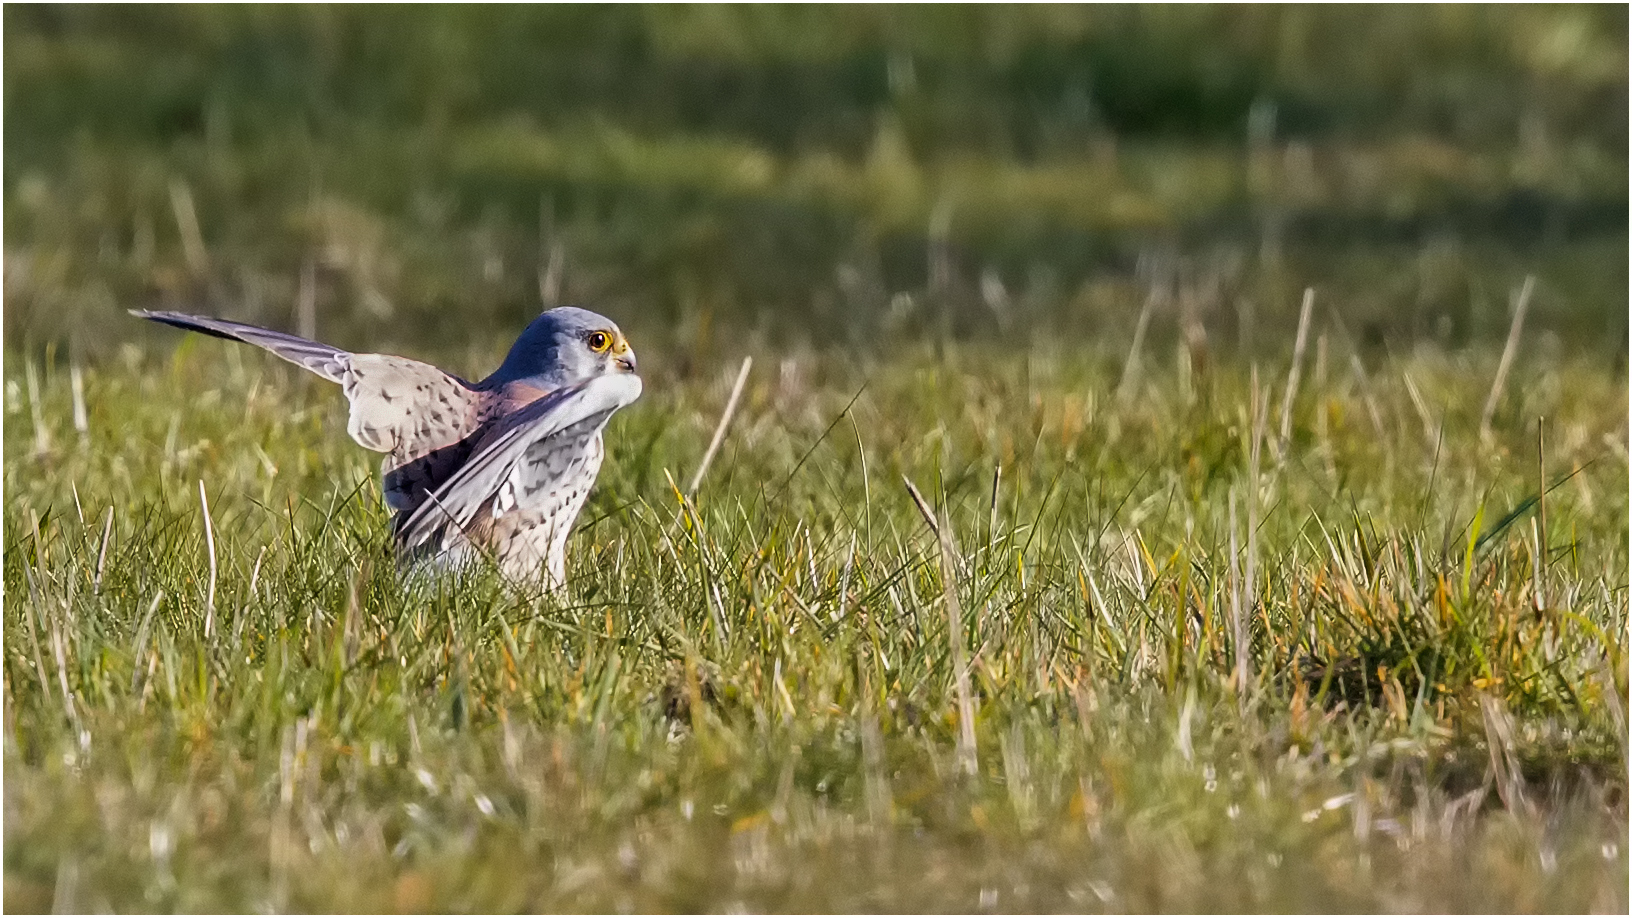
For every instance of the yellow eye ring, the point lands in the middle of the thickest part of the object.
(599, 341)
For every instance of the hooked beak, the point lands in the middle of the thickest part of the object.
(626, 363)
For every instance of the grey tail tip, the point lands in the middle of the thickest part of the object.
(167, 316)
(158, 315)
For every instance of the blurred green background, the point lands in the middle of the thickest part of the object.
(732, 177)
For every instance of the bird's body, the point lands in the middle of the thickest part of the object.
(497, 469)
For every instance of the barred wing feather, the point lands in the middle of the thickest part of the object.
(409, 409)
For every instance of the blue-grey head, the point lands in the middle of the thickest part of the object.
(564, 346)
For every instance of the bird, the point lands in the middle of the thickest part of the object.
(496, 469)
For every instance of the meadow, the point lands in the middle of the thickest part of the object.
(1205, 665)
(1060, 554)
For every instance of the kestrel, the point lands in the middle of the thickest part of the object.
(498, 468)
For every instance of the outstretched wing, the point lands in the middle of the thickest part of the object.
(398, 406)
(327, 362)
(407, 408)
(494, 479)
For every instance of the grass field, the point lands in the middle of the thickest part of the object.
(750, 699)
(1193, 619)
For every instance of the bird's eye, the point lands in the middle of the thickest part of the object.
(599, 341)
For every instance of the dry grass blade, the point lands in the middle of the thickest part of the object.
(77, 386)
(209, 541)
(1238, 629)
(552, 266)
(140, 647)
(991, 521)
(1295, 374)
(1430, 430)
(1364, 381)
(42, 437)
(1541, 515)
(1130, 368)
(192, 239)
(719, 429)
(1243, 661)
(102, 553)
(1511, 348)
(35, 609)
(968, 756)
(1504, 764)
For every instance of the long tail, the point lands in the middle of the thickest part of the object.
(327, 362)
